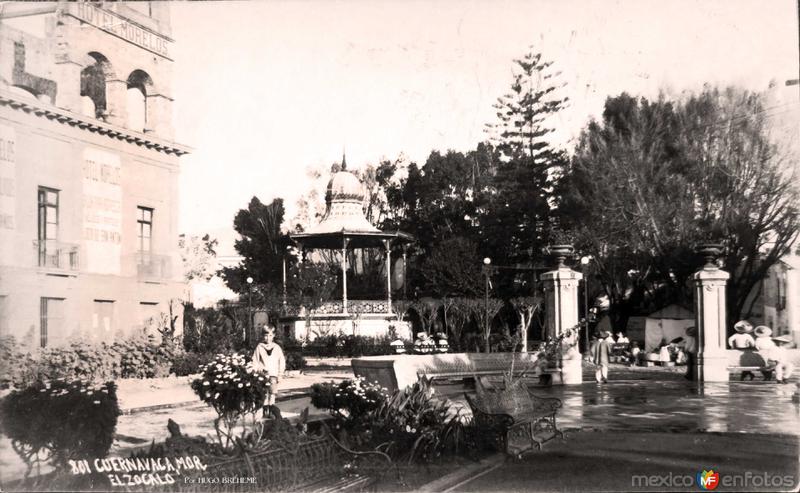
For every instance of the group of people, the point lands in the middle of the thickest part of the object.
(770, 348)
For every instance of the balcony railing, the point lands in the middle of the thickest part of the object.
(151, 266)
(53, 254)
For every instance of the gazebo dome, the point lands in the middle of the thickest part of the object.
(344, 222)
(344, 186)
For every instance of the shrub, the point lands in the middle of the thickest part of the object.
(141, 357)
(420, 427)
(351, 402)
(295, 361)
(189, 363)
(65, 420)
(231, 386)
(16, 367)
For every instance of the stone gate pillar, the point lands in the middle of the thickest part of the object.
(561, 307)
(710, 317)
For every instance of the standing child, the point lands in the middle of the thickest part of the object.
(268, 358)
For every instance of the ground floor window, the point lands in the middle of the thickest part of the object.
(51, 320)
(149, 315)
(103, 318)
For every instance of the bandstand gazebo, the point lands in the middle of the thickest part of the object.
(344, 227)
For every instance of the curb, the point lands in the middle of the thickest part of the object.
(286, 395)
(451, 481)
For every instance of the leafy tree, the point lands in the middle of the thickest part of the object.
(262, 245)
(523, 114)
(452, 268)
(199, 257)
(485, 311)
(526, 307)
(655, 178)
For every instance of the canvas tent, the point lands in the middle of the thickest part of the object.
(666, 324)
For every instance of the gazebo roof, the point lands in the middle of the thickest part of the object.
(358, 239)
(344, 218)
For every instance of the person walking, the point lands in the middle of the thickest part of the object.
(601, 357)
(268, 358)
(690, 350)
(743, 340)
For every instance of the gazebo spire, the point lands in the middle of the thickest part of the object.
(344, 160)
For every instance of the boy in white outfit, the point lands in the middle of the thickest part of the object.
(268, 358)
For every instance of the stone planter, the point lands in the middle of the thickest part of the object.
(560, 253)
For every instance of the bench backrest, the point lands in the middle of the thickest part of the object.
(514, 399)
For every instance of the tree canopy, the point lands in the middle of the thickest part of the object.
(655, 178)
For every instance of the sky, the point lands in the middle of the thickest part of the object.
(266, 89)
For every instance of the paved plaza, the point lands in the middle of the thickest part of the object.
(626, 412)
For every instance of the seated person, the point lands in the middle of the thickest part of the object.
(621, 339)
(663, 353)
(765, 345)
(742, 340)
(635, 354)
(777, 357)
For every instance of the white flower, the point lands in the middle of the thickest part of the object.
(408, 428)
(240, 386)
(206, 383)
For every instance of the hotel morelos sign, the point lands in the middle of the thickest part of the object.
(120, 27)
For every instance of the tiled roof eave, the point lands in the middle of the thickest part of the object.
(65, 117)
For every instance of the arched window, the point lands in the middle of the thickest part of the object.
(139, 84)
(93, 85)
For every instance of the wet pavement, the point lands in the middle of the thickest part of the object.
(668, 405)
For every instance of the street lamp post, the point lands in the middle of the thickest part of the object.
(584, 267)
(487, 262)
(249, 308)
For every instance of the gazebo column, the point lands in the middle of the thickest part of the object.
(345, 241)
(388, 244)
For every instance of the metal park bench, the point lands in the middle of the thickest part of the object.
(516, 419)
(321, 464)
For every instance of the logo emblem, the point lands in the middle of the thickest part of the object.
(708, 480)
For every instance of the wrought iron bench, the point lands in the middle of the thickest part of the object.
(517, 419)
(321, 464)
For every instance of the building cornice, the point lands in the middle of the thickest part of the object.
(93, 125)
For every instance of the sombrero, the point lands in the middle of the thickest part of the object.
(605, 334)
(784, 338)
(763, 331)
(743, 327)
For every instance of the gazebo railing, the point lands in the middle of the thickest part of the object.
(336, 307)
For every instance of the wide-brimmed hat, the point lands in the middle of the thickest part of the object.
(743, 327)
(763, 331)
(605, 334)
(691, 331)
(783, 338)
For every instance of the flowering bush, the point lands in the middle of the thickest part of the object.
(231, 386)
(58, 421)
(350, 401)
(419, 427)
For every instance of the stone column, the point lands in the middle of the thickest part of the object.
(561, 300)
(388, 245)
(561, 306)
(116, 102)
(159, 115)
(710, 318)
